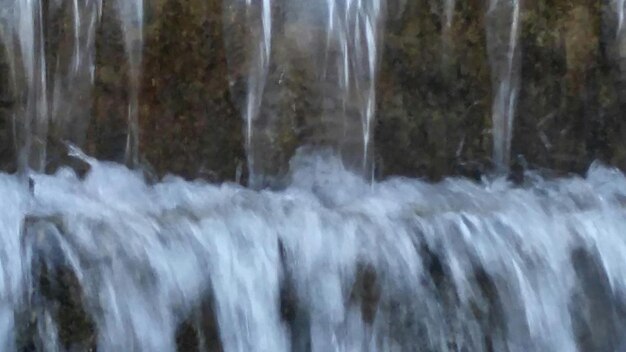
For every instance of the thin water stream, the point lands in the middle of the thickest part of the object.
(503, 30)
(131, 19)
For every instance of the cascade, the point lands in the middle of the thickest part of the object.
(397, 265)
(106, 258)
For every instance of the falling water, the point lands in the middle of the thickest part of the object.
(23, 37)
(25, 33)
(447, 35)
(354, 27)
(449, 6)
(131, 18)
(503, 18)
(342, 40)
(257, 46)
(11, 265)
(619, 10)
(74, 68)
(371, 16)
(331, 263)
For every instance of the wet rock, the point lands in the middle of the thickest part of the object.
(598, 314)
(56, 296)
(489, 312)
(366, 291)
(200, 331)
(516, 172)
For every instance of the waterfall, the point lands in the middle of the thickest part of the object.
(73, 71)
(131, 18)
(53, 95)
(342, 42)
(353, 48)
(256, 44)
(331, 262)
(23, 38)
(12, 281)
(59, 92)
(359, 36)
(503, 30)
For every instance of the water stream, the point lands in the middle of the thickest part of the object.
(131, 19)
(331, 260)
(342, 41)
(55, 96)
(399, 265)
(23, 39)
(254, 48)
(503, 28)
(73, 69)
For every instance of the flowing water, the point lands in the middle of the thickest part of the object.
(257, 17)
(131, 19)
(342, 40)
(73, 69)
(399, 265)
(22, 24)
(55, 96)
(331, 261)
(503, 28)
(349, 61)
(357, 29)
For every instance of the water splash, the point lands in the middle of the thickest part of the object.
(131, 17)
(330, 263)
(12, 267)
(503, 31)
(396, 265)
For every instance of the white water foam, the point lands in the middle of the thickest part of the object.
(400, 265)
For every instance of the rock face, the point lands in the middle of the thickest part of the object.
(434, 90)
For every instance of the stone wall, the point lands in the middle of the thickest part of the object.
(434, 91)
